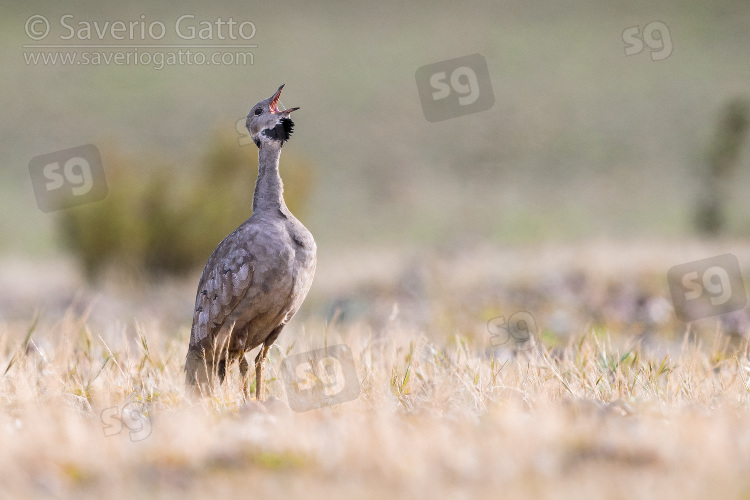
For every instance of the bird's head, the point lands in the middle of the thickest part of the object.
(267, 124)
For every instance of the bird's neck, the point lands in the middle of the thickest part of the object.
(269, 190)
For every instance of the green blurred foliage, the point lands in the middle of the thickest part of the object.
(159, 220)
(722, 163)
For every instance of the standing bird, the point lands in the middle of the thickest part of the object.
(258, 277)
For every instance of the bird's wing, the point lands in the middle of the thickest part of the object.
(224, 282)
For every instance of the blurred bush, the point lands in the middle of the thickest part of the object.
(158, 219)
(722, 163)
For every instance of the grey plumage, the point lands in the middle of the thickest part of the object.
(258, 277)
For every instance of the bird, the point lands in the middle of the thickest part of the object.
(258, 277)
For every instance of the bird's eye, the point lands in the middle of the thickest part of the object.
(258, 111)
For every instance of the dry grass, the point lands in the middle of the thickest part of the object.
(602, 414)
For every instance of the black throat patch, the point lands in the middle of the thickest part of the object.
(280, 132)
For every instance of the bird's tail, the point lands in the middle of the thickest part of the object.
(197, 371)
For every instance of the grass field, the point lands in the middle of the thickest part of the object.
(614, 408)
(560, 209)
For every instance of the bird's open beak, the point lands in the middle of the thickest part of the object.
(275, 101)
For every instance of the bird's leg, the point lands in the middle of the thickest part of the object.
(244, 365)
(225, 359)
(215, 363)
(222, 370)
(260, 387)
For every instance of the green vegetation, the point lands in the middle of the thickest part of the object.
(721, 166)
(161, 219)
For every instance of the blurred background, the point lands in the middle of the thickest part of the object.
(586, 152)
